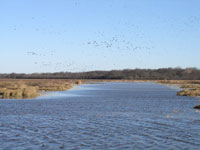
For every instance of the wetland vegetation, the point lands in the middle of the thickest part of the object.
(190, 87)
(19, 89)
(31, 88)
(21, 86)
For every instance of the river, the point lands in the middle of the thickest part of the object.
(102, 116)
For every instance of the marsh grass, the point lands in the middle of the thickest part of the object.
(30, 88)
(190, 87)
(20, 89)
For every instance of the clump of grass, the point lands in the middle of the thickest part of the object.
(30, 92)
(189, 92)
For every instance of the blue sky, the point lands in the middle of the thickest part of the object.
(84, 35)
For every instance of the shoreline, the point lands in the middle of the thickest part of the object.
(189, 87)
(32, 88)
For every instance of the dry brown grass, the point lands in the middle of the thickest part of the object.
(19, 89)
(190, 87)
(30, 88)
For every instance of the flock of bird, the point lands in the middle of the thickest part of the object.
(192, 20)
(69, 65)
(104, 45)
(35, 53)
(55, 65)
(118, 45)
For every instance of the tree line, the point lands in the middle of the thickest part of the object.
(128, 74)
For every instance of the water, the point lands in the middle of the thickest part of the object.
(102, 116)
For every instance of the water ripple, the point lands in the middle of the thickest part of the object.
(109, 119)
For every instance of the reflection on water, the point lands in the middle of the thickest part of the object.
(102, 116)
